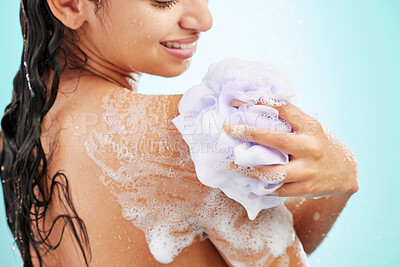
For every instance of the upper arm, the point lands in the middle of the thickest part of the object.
(313, 218)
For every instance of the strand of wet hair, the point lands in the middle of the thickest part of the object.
(23, 161)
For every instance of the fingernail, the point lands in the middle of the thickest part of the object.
(236, 103)
(226, 128)
(232, 166)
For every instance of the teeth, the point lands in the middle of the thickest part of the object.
(179, 46)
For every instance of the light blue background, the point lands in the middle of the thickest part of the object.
(344, 58)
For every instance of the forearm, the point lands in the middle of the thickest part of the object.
(313, 218)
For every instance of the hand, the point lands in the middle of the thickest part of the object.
(319, 165)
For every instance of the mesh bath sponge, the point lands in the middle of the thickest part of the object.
(205, 108)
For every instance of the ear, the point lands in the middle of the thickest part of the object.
(72, 13)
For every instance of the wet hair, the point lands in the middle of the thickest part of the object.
(28, 188)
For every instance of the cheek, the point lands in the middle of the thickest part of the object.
(135, 39)
(141, 42)
(143, 24)
(139, 33)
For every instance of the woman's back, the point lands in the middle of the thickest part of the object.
(132, 179)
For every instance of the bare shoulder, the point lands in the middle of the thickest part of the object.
(125, 163)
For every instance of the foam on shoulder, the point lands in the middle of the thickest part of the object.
(147, 168)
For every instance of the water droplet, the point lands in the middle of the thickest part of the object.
(129, 247)
(141, 23)
(316, 216)
(100, 235)
(2, 168)
(129, 240)
(119, 237)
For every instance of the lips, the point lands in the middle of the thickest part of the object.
(183, 48)
(174, 45)
(183, 41)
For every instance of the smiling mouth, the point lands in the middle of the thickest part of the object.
(174, 45)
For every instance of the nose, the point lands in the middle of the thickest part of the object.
(196, 16)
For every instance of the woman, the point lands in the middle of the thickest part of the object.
(87, 161)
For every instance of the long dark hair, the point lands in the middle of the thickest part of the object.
(28, 188)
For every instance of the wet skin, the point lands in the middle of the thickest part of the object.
(114, 240)
(116, 44)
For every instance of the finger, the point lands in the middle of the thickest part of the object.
(290, 190)
(300, 121)
(286, 109)
(300, 189)
(237, 103)
(293, 171)
(289, 143)
(272, 174)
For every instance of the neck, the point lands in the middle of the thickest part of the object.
(112, 73)
(100, 67)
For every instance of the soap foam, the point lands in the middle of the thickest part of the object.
(161, 194)
(268, 177)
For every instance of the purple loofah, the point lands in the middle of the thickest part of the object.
(205, 108)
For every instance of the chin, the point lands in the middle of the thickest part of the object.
(172, 71)
(171, 75)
